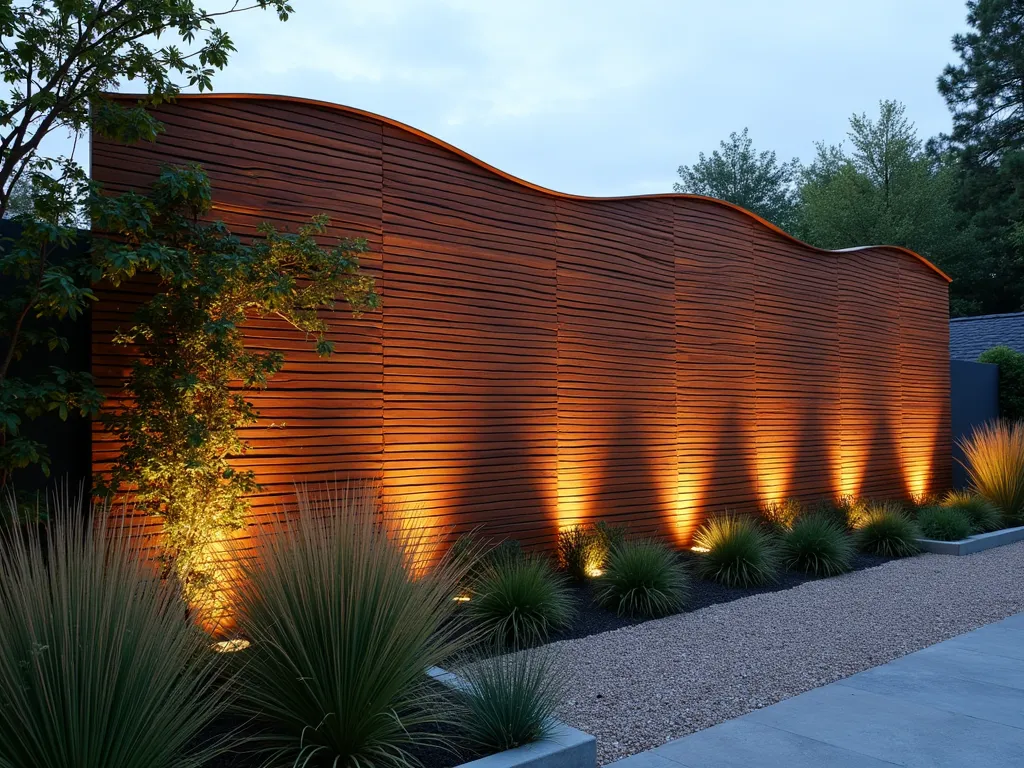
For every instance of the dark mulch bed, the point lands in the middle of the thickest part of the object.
(591, 619)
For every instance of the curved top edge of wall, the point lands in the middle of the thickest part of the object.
(522, 182)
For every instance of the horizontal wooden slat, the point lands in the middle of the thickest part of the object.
(541, 359)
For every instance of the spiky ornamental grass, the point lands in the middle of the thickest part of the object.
(579, 552)
(520, 602)
(780, 516)
(643, 578)
(817, 544)
(995, 466)
(344, 619)
(100, 666)
(737, 552)
(944, 523)
(983, 514)
(510, 700)
(885, 529)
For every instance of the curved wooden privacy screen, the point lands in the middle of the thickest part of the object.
(543, 358)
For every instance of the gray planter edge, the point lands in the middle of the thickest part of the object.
(972, 544)
(567, 747)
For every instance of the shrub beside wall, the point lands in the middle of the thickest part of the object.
(1011, 380)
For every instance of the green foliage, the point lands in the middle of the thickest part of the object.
(817, 544)
(751, 180)
(99, 667)
(608, 538)
(983, 514)
(179, 429)
(944, 523)
(736, 552)
(643, 578)
(520, 602)
(985, 94)
(58, 59)
(779, 516)
(477, 555)
(995, 466)
(579, 552)
(506, 550)
(852, 510)
(343, 626)
(884, 189)
(983, 90)
(584, 549)
(885, 529)
(844, 511)
(47, 283)
(1011, 380)
(510, 701)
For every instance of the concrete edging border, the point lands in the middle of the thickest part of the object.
(977, 543)
(567, 747)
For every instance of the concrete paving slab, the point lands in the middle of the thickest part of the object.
(995, 640)
(648, 759)
(892, 729)
(742, 743)
(934, 684)
(970, 665)
(1011, 622)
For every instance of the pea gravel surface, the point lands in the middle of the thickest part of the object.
(638, 687)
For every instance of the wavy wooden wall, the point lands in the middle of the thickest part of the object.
(542, 358)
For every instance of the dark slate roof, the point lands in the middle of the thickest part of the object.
(970, 336)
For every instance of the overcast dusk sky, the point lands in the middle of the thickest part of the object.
(600, 97)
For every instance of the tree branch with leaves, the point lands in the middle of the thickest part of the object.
(58, 58)
(184, 399)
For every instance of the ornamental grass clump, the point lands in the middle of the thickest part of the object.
(944, 523)
(520, 602)
(99, 665)
(509, 701)
(983, 514)
(780, 516)
(818, 545)
(995, 466)
(886, 530)
(344, 619)
(736, 552)
(643, 578)
(579, 552)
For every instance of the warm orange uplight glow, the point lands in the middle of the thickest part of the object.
(593, 572)
(691, 487)
(919, 456)
(214, 607)
(231, 646)
(775, 472)
(849, 463)
(572, 505)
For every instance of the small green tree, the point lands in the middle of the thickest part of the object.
(58, 58)
(185, 395)
(1011, 380)
(752, 180)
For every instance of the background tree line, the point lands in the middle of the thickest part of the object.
(957, 198)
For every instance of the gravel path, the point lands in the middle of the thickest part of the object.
(637, 687)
